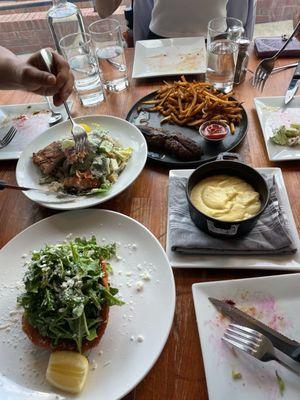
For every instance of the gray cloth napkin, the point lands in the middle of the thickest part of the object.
(269, 236)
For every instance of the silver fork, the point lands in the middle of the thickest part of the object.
(8, 137)
(253, 343)
(78, 132)
(265, 67)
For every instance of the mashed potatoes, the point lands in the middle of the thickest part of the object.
(226, 198)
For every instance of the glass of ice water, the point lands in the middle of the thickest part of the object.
(109, 50)
(78, 51)
(222, 51)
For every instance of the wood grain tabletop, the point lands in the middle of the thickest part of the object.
(179, 371)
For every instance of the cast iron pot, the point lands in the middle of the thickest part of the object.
(226, 166)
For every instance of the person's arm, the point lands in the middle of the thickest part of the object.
(28, 73)
(106, 7)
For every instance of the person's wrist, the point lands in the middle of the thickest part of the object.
(13, 71)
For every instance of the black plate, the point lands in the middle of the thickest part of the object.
(210, 150)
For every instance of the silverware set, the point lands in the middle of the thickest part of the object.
(257, 339)
(266, 66)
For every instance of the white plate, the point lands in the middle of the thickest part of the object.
(289, 263)
(274, 300)
(161, 57)
(28, 129)
(272, 113)
(126, 133)
(149, 313)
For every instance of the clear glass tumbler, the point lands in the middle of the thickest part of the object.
(78, 51)
(222, 51)
(109, 50)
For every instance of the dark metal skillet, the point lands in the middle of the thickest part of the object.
(210, 150)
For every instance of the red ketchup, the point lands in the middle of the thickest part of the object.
(214, 130)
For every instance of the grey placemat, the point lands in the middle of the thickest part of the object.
(269, 236)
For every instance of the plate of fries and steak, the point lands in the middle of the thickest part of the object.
(170, 119)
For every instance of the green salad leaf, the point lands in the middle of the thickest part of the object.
(63, 294)
(286, 135)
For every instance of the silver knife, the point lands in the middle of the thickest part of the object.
(288, 346)
(293, 86)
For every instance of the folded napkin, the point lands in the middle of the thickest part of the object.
(269, 236)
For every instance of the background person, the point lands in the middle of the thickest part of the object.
(154, 19)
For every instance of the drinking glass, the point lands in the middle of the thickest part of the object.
(78, 51)
(222, 51)
(109, 50)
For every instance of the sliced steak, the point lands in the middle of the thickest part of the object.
(174, 143)
(49, 158)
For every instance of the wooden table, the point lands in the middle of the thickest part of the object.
(179, 371)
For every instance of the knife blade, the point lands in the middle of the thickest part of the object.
(286, 345)
(293, 86)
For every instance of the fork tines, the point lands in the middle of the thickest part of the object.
(244, 338)
(259, 79)
(8, 137)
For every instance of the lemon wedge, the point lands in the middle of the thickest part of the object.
(67, 370)
(86, 127)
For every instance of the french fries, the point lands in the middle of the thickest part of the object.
(192, 103)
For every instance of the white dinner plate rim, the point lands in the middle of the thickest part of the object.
(173, 288)
(137, 75)
(223, 262)
(259, 111)
(94, 200)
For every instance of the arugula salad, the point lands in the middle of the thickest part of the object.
(287, 135)
(92, 171)
(63, 294)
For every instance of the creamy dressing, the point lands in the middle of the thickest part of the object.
(226, 198)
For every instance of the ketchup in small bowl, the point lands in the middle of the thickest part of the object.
(214, 131)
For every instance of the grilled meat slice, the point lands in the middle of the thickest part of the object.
(173, 143)
(49, 158)
(80, 182)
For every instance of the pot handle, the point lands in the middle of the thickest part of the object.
(229, 156)
(228, 232)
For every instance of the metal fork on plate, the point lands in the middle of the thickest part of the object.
(266, 66)
(8, 137)
(253, 343)
(78, 132)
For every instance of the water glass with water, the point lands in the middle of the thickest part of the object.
(78, 51)
(109, 50)
(222, 51)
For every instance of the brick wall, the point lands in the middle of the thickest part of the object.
(25, 9)
(29, 32)
(275, 10)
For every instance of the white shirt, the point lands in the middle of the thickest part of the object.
(179, 18)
